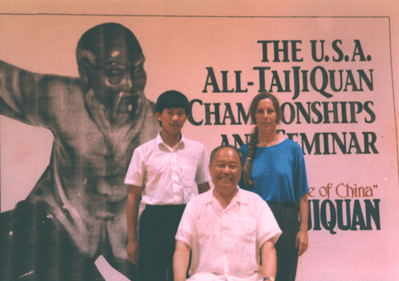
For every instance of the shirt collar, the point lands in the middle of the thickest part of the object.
(159, 140)
(240, 197)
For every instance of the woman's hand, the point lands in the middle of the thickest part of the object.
(302, 242)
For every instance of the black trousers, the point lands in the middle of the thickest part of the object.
(158, 226)
(287, 217)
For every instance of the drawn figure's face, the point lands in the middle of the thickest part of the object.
(118, 79)
(111, 67)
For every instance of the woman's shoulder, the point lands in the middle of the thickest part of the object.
(244, 148)
(289, 142)
(292, 146)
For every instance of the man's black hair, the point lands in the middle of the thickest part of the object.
(172, 99)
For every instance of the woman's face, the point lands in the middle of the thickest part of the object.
(265, 115)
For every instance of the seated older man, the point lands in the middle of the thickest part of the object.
(230, 232)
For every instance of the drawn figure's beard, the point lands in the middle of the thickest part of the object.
(119, 109)
(124, 108)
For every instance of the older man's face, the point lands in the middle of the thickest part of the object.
(225, 170)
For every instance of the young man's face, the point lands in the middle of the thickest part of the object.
(172, 120)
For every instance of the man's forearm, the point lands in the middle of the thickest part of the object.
(181, 260)
(132, 206)
(269, 259)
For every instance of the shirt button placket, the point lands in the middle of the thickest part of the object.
(225, 247)
(175, 177)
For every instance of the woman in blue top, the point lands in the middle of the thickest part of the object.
(275, 169)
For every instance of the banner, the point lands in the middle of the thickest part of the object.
(332, 76)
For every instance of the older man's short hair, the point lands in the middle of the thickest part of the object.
(227, 146)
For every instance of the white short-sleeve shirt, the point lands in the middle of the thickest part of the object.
(168, 176)
(225, 242)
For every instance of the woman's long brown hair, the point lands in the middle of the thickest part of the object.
(253, 141)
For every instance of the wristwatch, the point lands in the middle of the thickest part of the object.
(269, 278)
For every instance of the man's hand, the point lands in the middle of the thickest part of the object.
(133, 251)
(302, 242)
